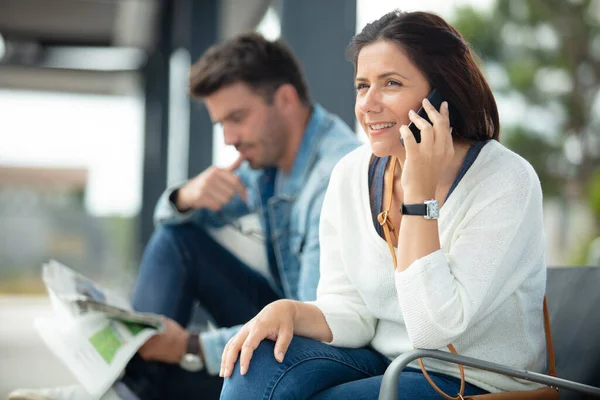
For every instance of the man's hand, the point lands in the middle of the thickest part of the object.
(212, 189)
(168, 346)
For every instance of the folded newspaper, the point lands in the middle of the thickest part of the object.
(94, 332)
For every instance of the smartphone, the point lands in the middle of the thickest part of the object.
(435, 98)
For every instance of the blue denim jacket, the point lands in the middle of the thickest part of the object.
(294, 212)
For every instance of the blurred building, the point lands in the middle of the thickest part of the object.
(43, 217)
(142, 50)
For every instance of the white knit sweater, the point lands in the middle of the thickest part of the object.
(482, 291)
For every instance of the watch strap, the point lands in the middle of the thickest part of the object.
(414, 209)
(193, 344)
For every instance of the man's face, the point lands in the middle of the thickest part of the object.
(256, 129)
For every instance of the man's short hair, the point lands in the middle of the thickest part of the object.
(251, 59)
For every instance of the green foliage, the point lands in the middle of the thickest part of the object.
(579, 255)
(122, 235)
(594, 192)
(480, 30)
(540, 153)
(522, 73)
(549, 50)
(547, 53)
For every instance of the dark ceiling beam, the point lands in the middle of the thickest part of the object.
(33, 37)
(119, 83)
(72, 57)
(57, 20)
(72, 35)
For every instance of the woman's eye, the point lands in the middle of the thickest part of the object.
(361, 86)
(393, 83)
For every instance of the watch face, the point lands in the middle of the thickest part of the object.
(191, 362)
(433, 209)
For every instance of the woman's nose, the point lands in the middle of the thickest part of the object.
(370, 101)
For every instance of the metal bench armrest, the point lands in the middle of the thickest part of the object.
(389, 384)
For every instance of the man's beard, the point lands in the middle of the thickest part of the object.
(267, 154)
(268, 150)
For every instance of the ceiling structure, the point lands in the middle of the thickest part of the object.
(91, 46)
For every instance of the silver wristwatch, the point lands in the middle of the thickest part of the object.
(192, 359)
(430, 209)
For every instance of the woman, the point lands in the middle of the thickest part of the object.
(474, 278)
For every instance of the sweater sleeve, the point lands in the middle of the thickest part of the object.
(442, 294)
(345, 311)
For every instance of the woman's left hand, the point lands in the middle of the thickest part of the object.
(425, 161)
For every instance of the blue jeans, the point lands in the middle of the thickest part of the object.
(315, 370)
(183, 265)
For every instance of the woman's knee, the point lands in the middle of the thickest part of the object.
(263, 370)
(297, 377)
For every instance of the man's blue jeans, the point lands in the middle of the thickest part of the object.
(315, 370)
(183, 265)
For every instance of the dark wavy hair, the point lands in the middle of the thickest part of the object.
(250, 58)
(447, 61)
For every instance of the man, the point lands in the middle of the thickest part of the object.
(287, 149)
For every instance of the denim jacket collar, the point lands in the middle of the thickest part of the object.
(287, 186)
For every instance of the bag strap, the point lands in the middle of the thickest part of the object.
(549, 345)
(388, 228)
(383, 219)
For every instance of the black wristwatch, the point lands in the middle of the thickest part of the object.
(430, 209)
(192, 359)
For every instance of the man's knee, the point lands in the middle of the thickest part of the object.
(179, 233)
(179, 238)
(172, 248)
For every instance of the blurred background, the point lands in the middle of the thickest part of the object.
(95, 122)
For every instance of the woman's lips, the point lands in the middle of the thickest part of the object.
(375, 131)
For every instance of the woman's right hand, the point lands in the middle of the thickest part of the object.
(275, 322)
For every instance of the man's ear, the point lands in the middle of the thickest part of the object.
(286, 97)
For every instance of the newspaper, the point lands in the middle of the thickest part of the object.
(94, 331)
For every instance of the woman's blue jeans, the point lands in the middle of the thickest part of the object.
(315, 370)
(183, 264)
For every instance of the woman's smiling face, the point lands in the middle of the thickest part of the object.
(388, 86)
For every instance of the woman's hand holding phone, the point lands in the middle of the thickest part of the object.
(426, 160)
(435, 98)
